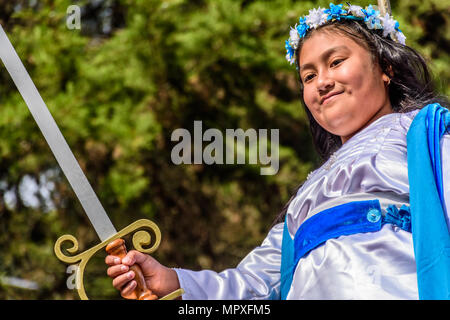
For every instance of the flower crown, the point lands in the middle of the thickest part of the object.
(319, 16)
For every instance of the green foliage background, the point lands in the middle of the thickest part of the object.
(117, 88)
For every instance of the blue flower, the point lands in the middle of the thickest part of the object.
(374, 23)
(369, 13)
(302, 27)
(335, 12)
(371, 18)
(289, 49)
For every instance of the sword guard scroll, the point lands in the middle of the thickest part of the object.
(141, 240)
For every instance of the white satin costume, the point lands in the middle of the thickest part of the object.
(373, 265)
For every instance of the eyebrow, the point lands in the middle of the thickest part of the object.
(323, 56)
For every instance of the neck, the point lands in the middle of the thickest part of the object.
(386, 109)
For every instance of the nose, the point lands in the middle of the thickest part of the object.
(324, 82)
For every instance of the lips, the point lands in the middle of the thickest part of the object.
(326, 98)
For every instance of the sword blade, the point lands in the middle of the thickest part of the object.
(58, 145)
(385, 7)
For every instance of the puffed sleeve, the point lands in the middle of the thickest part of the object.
(256, 277)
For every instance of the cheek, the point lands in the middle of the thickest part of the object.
(353, 76)
(309, 98)
(366, 87)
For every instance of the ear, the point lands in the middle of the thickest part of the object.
(386, 79)
(388, 75)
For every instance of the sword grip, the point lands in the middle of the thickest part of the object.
(117, 248)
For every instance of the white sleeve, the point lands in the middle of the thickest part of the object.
(445, 161)
(256, 277)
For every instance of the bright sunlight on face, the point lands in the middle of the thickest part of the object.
(344, 89)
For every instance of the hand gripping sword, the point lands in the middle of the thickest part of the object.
(111, 239)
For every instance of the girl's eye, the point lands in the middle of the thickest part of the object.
(308, 77)
(336, 62)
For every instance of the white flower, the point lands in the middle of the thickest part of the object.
(316, 17)
(356, 11)
(294, 37)
(401, 37)
(388, 25)
(290, 59)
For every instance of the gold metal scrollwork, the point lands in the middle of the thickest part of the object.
(140, 238)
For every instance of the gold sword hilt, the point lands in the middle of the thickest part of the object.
(140, 238)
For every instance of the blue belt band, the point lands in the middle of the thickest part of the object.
(346, 219)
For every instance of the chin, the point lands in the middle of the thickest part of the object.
(341, 130)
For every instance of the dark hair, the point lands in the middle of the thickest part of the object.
(411, 86)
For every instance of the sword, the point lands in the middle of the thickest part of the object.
(80, 184)
(385, 7)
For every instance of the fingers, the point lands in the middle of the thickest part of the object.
(117, 270)
(122, 281)
(112, 260)
(121, 274)
(128, 289)
(134, 256)
(131, 258)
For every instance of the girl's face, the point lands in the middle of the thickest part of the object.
(343, 89)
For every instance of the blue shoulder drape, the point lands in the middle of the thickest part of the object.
(430, 232)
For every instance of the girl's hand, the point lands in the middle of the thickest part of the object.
(159, 279)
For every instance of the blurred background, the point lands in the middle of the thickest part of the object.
(118, 87)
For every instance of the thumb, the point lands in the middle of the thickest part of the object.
(133, 257)
(149, 265)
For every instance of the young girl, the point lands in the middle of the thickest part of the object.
(372, 221)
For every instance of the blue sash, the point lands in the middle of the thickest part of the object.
(429, 227)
